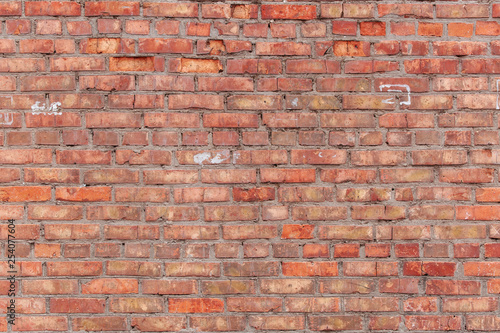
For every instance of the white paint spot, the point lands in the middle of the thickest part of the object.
(295, 101)
(220, 157)
(37, 108)
(201, 157)
(6, 118)
(400, 87)
(320, 154)
(207, 156)
(41, 109)
(217, 159)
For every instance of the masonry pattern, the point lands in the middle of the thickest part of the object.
(251, 166)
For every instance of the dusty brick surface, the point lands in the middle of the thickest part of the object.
(251, 166)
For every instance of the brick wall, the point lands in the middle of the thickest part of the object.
(251, 166)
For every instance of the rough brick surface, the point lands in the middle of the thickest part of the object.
(251, 166)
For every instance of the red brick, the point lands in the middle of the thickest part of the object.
(65, 46)
(216, 11)
(167, 27)
(137, 27)
(177, 287)
(22, 65)
(348, 28)
(42, 323)
(9, 8)
(206, 194)
(440, 323)
(420, 304)
(152, 119)
(249, 231)
(134, 268)
(286, 286)
(50, 287)
(228, 176)
(231, 213)
(364, 158)
(431, 66)
(170, 9)
(83, 194)
(253, 66)
(244, 11)
(230, 120)
(288, 12)
(255, 30)
(378, 212)
(460, 29)
(210, 102)
(354, 10)
(310, 269)
(417, 268)
(218, 323)
(371, 304)
(405, 10)
(331, 10)
(109, 26)
(162, 45)
(107, 45)
(17, 27)
(136, 64)
(282, 48)
(372, 28)
(430, 29)
(172, 213)
(152, 323)
(484, 322)
(112, 8)
(48, 27)
(346, 232)
(136, 305)
(325, 323)
(403, 28)
(76, 64)
(74, 268)
(346, 251)
(52, 8)
(100, 323)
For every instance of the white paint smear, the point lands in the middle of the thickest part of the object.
(217, 159)
(41, 109)
(401, 88)
(6, 118)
